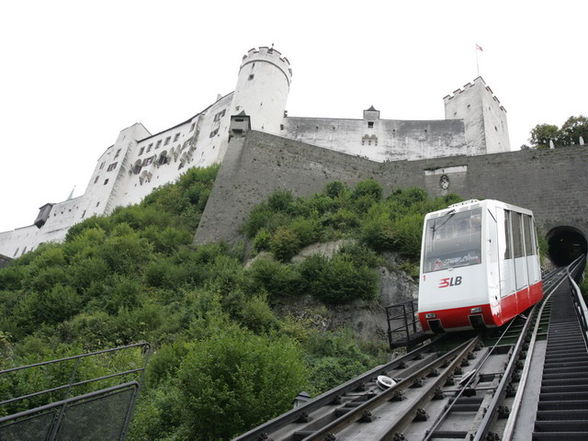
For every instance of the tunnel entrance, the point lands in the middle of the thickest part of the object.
(565, 244)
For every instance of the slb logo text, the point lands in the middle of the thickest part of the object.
(450, 281)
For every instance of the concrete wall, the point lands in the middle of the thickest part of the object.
(552, 183)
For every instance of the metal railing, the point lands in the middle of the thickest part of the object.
(54, 413)
(577, 297)
(406, 313)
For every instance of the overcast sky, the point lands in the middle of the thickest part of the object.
(75, 73)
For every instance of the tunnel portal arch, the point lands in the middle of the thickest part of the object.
(564, 244)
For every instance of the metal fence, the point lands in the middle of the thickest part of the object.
(72, 411)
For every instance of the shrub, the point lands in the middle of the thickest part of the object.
(378, 233)
(285, 244)
(281, 200)
(307, 230)
(339, 279)
(335, 189)
(407, 235)
(335, 357)
(165, 363)
(262, 240)
(369, 188)
(343, 220)
(236, 380)
(275, 278)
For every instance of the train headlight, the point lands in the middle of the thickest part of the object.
(476, 310)
(430, 315)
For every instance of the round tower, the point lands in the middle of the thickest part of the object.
(262, 88)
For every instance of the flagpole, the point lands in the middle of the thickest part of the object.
(477, 64)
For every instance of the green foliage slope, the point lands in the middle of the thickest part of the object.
(220, 350)
(284, 224)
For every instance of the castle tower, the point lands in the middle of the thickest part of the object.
(486, 130)
(262, 88)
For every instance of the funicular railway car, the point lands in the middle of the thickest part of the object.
(479, 266)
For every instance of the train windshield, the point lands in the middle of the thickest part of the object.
(453, 240)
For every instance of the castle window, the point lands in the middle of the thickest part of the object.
(192, 127)
(117, 153)
(112, 166)
(251, 76)
(101, 165)
(454, 113)
(469, 106)
(24, 250)
(370, 124)
(167, 140)
(16, 252)
(96, 180)
(213, 133)
(141, 151)
(495, 129)
(219, 115)
(281, 126)
(105, 181)
(163, 158)
(83, 214)
(158, 144)
(176, 137)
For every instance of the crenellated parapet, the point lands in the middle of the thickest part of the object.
(270, 55)
(478, 81)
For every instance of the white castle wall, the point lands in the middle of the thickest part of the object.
(138, 161)
(262, 88)
(486, 130)
(383, 140)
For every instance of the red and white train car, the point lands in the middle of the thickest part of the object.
(479, 266)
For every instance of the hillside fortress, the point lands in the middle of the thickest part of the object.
(138, 161)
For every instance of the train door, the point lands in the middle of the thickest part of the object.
(508, 298)
(532, 260)
(493, 265)
(521, 273)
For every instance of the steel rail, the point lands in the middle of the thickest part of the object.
(463, 387)
(364, 410)
(499, 395)
(395, 431)
(329, 396)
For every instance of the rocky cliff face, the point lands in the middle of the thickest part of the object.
(366, 319)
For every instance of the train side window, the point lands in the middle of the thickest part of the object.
(517, 236)
(535, 241)
(508, 235)
(528, 237)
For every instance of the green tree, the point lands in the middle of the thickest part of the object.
(574, 128)
(541, 134)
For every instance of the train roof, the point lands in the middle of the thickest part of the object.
(474, 203)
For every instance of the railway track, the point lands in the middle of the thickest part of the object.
(454, 387)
